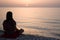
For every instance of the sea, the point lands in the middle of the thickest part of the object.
(41, 21)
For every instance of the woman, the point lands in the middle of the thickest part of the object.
(9, 25)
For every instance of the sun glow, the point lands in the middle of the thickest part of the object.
(27, 2)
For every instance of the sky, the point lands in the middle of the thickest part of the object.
(29, 3)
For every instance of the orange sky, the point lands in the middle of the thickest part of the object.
(30, 3)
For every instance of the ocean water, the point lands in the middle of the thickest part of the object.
(35, 21)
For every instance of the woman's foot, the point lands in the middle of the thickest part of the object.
(20, 31)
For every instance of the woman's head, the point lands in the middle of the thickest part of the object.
(9, 15)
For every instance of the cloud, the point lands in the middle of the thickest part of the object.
(10, 3)
(34, 3)
(45, 5)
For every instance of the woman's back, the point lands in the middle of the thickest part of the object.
(9, 25)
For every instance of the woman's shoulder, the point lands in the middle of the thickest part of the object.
(4, 21)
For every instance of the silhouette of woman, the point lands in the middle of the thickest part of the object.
(9, 25)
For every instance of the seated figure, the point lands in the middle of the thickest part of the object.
(9, 25)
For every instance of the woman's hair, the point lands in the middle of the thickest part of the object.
(9, 15)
